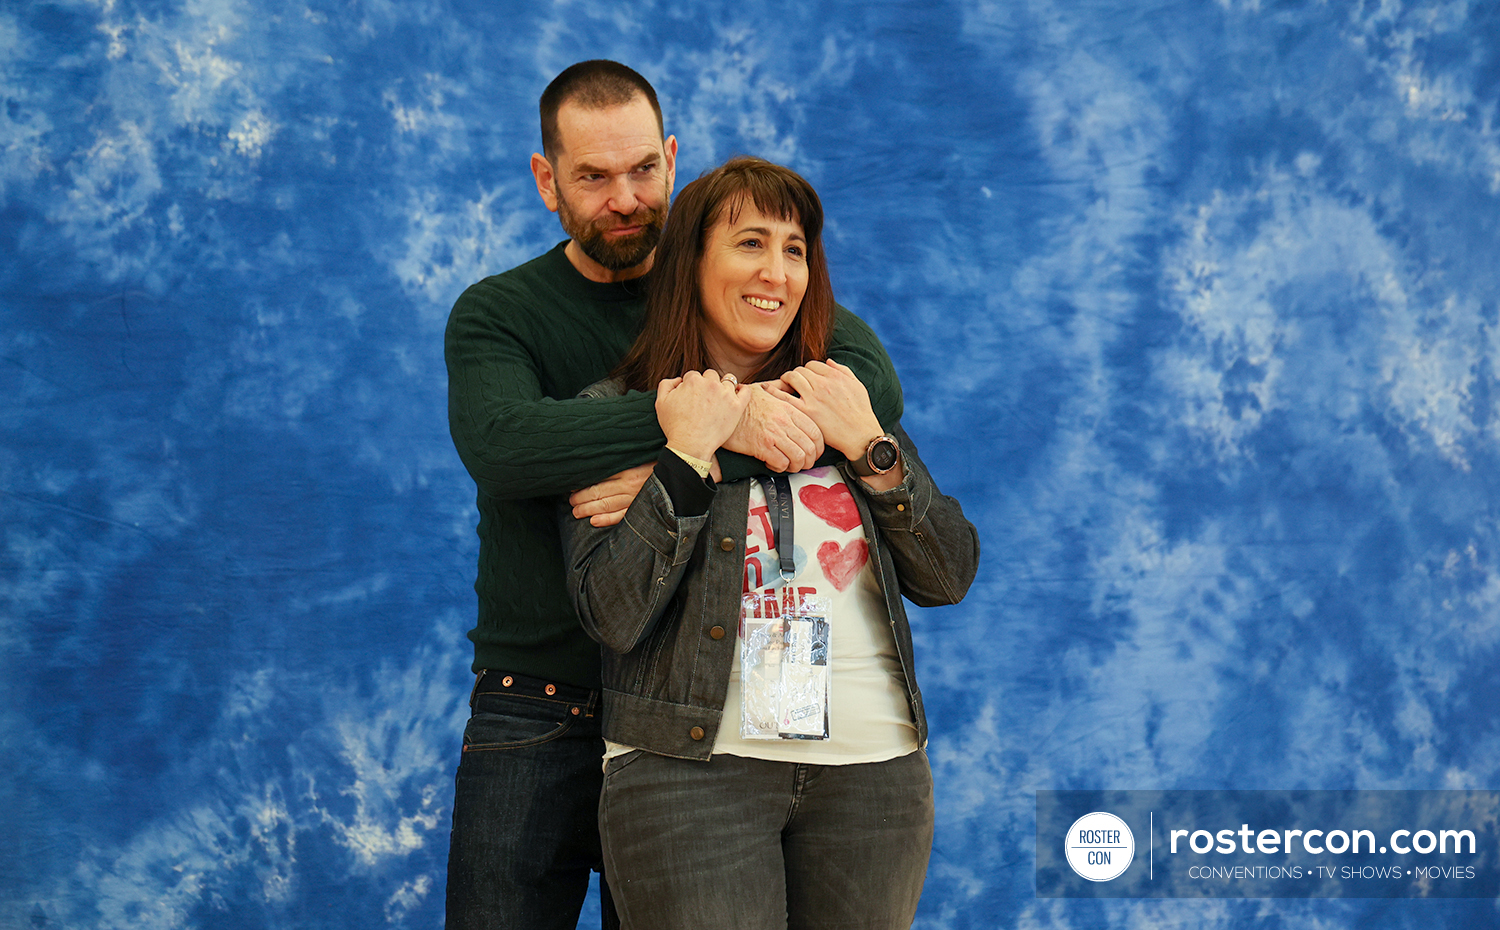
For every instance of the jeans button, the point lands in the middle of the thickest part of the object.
(717, 632)
(726, 544)
(696, 733)
(551, 690)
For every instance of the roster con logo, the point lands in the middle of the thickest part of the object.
(1099, 846)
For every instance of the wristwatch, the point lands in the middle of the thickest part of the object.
(881, 455)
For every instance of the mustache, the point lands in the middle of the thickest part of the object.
(645, 216)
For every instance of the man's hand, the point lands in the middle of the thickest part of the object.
(605, 503)
(777, 433)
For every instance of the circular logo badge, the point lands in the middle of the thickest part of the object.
(1099, 846)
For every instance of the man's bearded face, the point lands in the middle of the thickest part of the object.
(613, 252)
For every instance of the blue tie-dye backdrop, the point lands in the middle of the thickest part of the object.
(1196, 306)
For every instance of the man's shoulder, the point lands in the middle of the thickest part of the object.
(545, 271)
(849, 326)
(528, 295)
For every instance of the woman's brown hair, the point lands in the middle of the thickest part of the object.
(671, 341)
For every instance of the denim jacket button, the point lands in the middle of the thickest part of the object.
(717, 632)
(696, 733)
(726, 544)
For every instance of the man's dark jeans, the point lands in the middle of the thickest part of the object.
(525, 832)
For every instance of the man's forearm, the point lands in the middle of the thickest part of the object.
(511, 411)
(516, 448)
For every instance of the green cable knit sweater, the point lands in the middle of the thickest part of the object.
(519, 347)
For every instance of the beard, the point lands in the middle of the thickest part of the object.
(615, 253)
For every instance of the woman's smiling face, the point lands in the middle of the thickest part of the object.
(751, 281)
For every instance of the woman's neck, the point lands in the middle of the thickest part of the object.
(742, 369)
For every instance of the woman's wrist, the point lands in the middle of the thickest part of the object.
(684, 443)
(855, 449)
(880, 467)
(699, 465)
(888, 481)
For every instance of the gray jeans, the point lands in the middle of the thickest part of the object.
(744, 844)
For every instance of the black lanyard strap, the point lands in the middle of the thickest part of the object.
(778, 490)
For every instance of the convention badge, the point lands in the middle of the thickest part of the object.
(784, 674)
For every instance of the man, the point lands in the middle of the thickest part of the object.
(519, 347)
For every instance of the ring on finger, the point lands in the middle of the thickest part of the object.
(729, 377)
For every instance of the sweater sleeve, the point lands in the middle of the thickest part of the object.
(515, 440)
(854, 344)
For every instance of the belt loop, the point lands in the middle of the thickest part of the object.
(474, 691)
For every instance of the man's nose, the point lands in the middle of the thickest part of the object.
(622, 197)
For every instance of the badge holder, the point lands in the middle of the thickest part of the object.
(784, 639)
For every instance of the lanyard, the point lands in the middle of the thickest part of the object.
(779, 504)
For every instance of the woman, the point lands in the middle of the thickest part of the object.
(772, 777)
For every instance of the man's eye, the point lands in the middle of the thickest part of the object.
(645, 169)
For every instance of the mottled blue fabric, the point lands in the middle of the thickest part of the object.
(1197, 313)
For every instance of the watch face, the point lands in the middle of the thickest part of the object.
(883, 455)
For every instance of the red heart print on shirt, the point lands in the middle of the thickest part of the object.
(833, 505)
(841, 563)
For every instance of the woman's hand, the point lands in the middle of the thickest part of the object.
(835, 399)
(699, 410)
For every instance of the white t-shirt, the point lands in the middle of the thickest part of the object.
(869, 719)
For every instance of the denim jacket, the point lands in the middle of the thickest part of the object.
(662, 594)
